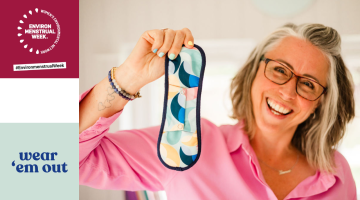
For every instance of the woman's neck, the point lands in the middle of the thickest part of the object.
(273, 144)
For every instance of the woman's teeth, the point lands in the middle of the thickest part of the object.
(276, 113)
(277, 109)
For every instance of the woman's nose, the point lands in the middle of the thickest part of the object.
(288, 90)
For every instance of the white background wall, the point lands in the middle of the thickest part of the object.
(227, 30)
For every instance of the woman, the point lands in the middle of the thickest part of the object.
(293, 99)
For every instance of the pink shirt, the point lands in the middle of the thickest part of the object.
(227, 168)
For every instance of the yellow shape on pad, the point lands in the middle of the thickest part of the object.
(174, 80)
(172, 156)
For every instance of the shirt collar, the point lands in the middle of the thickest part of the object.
(238, 137)
(320, 182)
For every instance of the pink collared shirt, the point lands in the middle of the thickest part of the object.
(227, 168)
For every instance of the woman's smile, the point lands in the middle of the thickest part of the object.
(277, 109)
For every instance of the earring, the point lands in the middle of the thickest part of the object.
(314, 115)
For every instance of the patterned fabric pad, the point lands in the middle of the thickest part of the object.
(179, 141)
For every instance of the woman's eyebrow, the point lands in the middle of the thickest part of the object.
(308, 75)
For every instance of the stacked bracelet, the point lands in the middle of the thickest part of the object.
(118, 90)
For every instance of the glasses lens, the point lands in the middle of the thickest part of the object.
(309, 89)
(277, 72)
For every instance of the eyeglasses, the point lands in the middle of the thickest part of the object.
(280, 74)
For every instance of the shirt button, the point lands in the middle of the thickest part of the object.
(180, 126)
(98, 126)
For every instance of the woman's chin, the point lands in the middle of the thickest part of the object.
(270, 126)
(271, 122)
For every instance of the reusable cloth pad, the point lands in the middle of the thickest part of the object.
(179, 142)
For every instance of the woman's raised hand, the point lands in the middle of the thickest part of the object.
(144, 65)
(147, 60)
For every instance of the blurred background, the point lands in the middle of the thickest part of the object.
(227, 30)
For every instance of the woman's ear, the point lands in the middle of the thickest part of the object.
(317, 105)
(319, 102)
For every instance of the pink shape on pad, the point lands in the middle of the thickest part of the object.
(190, 93)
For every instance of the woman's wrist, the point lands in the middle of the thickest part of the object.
(128, 80)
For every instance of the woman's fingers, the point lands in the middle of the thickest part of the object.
(189, 39)
(177, 45)
(183, 36)
(168, 41)
(156, 38)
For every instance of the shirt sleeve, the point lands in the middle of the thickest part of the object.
(124, 160)
(345, 175)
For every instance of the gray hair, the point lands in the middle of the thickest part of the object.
(316, 138)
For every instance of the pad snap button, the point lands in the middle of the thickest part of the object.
(182, 92)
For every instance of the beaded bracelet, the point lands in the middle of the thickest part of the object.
(118, 90)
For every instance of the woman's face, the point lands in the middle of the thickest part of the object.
(304, 58)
